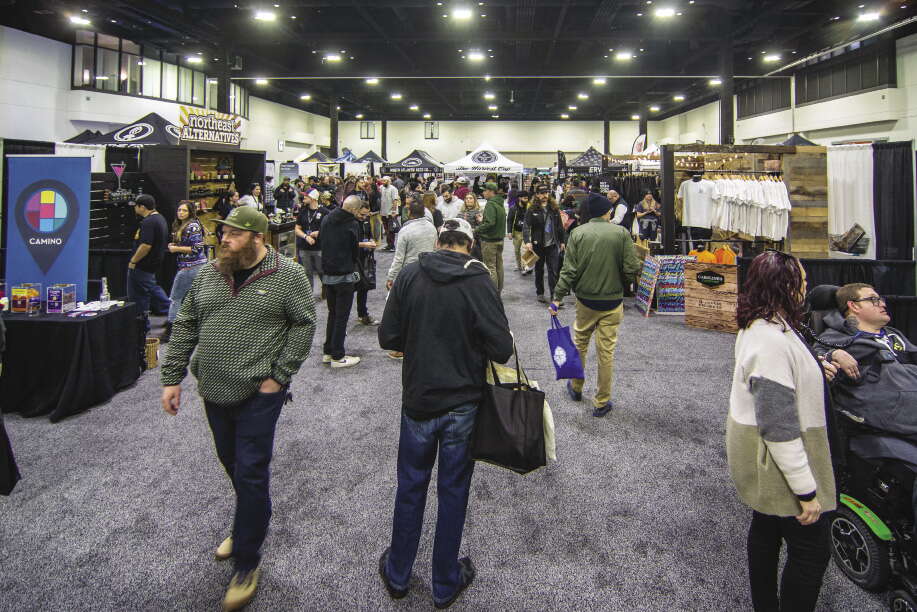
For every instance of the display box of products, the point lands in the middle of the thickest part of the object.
(61, 298)
(26, 298)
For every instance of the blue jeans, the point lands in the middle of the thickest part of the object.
(451, 434)
(142, 288)
(244, 438)
(180, 286)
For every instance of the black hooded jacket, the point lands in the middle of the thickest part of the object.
(444, 314)
(340, 235)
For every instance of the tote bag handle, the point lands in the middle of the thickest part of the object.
(519, 373)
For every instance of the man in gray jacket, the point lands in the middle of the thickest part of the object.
(417, 236)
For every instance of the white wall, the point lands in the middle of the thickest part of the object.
(885, 113)
(702, 123)
(36, 102)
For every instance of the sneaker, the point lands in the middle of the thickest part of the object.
(542, 299)
(392, 591)
(574, 395)
(368, 320)
(326, 359)
(602, 411)
(467, 574)
(395, 355)
(345, 362)
(241, 589)
(224, 550)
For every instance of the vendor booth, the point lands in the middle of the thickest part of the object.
(416, 162)
(484, 160)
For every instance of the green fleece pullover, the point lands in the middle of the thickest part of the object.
(243, 335)
(599, 259)
(493, 224)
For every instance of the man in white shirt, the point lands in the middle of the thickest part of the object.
(388, 207)
(448, 204)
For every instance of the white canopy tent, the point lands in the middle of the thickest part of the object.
(484, 160)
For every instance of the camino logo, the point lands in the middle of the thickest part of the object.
(46, 213)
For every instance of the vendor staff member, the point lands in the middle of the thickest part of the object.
(149, 249)
(253, 198)
(308, 224)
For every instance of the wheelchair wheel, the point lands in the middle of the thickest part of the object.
(901, 601)
(858, 552)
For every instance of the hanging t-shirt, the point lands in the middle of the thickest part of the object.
(725, 255)
(704, 256)
(699, 199)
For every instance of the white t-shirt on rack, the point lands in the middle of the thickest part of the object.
(698, 197)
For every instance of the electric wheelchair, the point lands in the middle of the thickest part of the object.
(872, 532)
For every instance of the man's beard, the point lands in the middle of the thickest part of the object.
(230, 262)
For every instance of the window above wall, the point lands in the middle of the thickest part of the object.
(870, 67)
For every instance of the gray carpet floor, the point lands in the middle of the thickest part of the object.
(122, 506)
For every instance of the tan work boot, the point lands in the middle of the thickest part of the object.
(224, 550)
(241, 589)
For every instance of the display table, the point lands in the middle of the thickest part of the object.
(57, 365)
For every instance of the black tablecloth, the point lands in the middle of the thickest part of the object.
(889, 277)
(59, 366)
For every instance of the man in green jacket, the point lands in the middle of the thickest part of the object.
(600, 260)
(251, 317)
(491, 234)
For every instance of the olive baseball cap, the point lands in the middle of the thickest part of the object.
(491, 186)
(246, 218)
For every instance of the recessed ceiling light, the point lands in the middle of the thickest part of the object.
(76, 19)
(372, 81)
(492, 107)
(582, 96)
(461, 12)
(475, 56)
(395, 96)
(495, 116)
(773, 57)
(571, 107)
(635, 117)
(872, 16)
(265, 15)
(260, 81)
(101, 78)
(489, 95)
(213, 81)
(565, 116)
(332, 57)
(414, 107)
(678, 98)
(141, 63)
(654, 109)
(306, 97)
(193, 59)
(426, 115)
(84, 10)
(337, 108)
(639, 14)
(624, 56)
(276, 6)
(665, 12)
(359, 115)
(715, 82)
(486, 77)
(599, 80)
(292, 16)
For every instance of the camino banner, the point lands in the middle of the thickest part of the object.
(47, 232)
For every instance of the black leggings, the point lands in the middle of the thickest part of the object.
(808, 552)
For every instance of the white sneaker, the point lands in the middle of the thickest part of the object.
(326, 359)
(345, 362)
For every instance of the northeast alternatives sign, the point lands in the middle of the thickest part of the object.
(198, 125)
(48, 239)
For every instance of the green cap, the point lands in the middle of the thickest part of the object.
(246, 218)
(492, 186)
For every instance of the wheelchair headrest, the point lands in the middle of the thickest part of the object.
(822, 297)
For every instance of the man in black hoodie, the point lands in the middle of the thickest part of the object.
(444, 314)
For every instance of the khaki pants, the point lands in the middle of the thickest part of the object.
(605, 325)
(517, 249)
(492, 253)
(375, 225)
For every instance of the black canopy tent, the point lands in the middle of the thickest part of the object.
(416, 161)
(798, 140)
(370, 158)
(592, 161)
(318, 156)
(149, 130)
(84, 137)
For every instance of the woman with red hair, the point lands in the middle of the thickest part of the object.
(777, 440)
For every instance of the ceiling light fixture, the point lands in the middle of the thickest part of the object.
(193, 59)
(372, 81)
(665, 12)
(495, 116)
(332, 57)
(359, 115)
(715, 82)
(565, 116)
(265, 15)
(486, 77)
(414, 107)
(260, 81)
(654, 109)
(461, 12)
(492, 107)
(571, 107)
(213, 81)
(76, 19)
(872, 16)
(599, 80)
(305, 97)
(773, 57)
(475, 56)
(489, 95)
(678, 98)
(635, 117)
(582, 96)
(101, 78)
(624, 56)
(395, 96)
(426, 115)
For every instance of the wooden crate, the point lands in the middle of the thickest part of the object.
(711, 307)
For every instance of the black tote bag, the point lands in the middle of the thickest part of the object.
(509, 427)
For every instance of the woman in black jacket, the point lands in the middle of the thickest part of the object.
(543, 233)
(515, 219)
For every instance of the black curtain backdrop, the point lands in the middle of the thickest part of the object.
(893, 199)
(888, 277)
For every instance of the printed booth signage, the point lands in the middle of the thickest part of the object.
(709, 278)
(48, 236)
(198, 125)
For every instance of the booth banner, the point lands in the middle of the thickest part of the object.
(47, 236)
(289, 170)
(328, 169)
(198, 125)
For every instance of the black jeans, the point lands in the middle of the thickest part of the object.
(244, 438)
(549, 256)
(362, 296)
(808, 552)
(340, 302)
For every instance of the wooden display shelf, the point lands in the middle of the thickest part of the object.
(711, 307)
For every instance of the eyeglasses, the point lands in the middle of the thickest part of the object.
(875, 299)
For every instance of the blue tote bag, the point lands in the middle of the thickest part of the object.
(563, 352)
